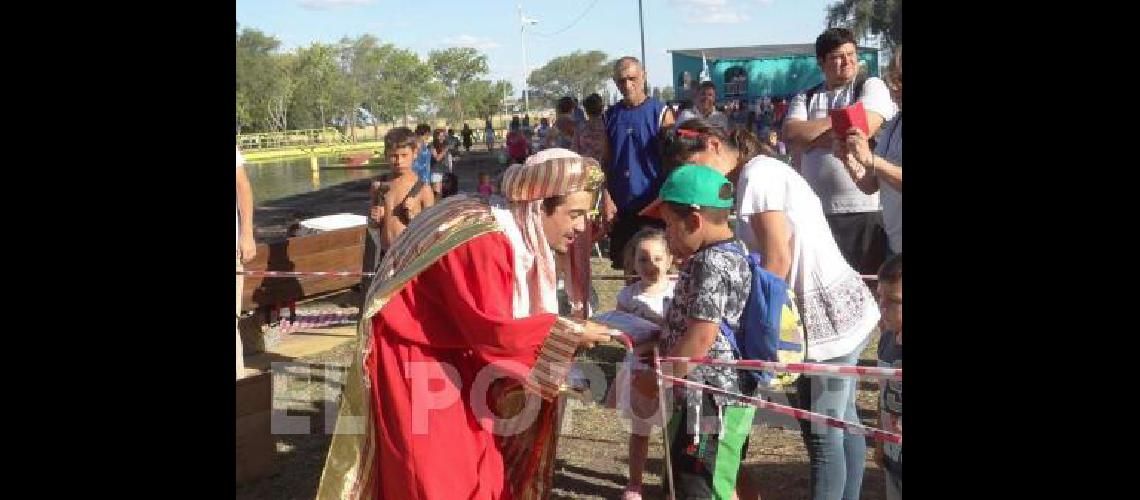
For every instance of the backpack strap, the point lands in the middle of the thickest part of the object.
(809, 95)
(401, 212)
(856, 93)
(725, 328)
(414, 191)
(857, 89)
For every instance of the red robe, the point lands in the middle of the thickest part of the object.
(458, 311)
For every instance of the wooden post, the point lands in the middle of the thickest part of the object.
(315, 168)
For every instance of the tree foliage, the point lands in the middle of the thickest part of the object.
(869, 18)
(323, 84)
(577, 75)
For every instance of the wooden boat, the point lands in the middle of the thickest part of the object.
(356, 160)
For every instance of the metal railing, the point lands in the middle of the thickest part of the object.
(326, 136)
(290, 138)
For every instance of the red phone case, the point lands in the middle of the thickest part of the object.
(842, 119)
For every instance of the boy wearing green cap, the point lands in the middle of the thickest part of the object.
(708, 432)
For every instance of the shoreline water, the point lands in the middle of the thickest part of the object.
(272, 218)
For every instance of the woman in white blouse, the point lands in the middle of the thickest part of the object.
(780, 217)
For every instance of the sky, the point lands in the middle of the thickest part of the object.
(492, 26)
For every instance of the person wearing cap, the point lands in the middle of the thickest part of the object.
(781, 218)
(452, 393)
(708, 432)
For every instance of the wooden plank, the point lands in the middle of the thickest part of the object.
(336, 259)
(339, 250)
(259, 291)
(271, 254)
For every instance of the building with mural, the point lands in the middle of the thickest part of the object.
(749, 73)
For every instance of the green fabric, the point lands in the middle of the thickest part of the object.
(737, 426)
(696, 185)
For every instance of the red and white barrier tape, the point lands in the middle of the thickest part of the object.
(854, 428)
(806, 368)
(619, 277)
(300, 274)
(316, 320)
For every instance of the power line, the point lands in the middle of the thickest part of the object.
(563, 30)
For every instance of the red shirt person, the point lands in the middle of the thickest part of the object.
(462, 352)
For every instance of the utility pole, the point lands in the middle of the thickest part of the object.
(641, 22)
(523, 22)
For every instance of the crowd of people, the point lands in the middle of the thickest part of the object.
(464, 335)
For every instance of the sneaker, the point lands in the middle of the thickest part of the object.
(629, 494)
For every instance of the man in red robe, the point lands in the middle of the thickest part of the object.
(462, 354)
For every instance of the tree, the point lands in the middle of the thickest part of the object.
(367, 59)
(869, 17)
(359, 62)
(667, 93)
(483, 97)
(502, 90)
(316, 73)
(280, 95)
(258, 78)
(577, 74)
(404, 83)
(314, 84)
(455, 68)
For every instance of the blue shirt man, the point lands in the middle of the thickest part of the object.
(422, 165)
(632, 162)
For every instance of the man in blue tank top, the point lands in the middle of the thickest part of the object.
(632, 162)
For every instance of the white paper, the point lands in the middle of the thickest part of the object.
(638, 329)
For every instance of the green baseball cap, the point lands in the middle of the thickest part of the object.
(696, 185)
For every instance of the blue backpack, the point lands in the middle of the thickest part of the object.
(769, 328)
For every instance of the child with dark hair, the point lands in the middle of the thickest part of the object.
(485, 187)
(889, 455)
(422, 165)
(541, 134)
(440, 160)
(561, 135)
(518, 147)
(590, 138)
(781, 218)
(395, 198)
(708, 431)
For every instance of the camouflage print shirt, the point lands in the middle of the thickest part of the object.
(713, 286)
